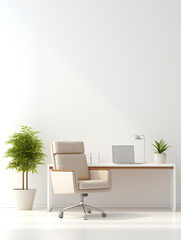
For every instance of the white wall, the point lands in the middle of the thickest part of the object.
(97, 71)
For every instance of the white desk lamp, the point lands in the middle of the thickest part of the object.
(139, 137)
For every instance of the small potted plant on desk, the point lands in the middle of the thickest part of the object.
(160, 147)
(26, 154)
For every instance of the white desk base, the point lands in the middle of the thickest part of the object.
(112, 166)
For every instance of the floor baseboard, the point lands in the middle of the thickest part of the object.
(43, 206)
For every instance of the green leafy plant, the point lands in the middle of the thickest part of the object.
(26, 152)
(160, 146)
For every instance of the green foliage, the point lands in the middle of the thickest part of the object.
(161, 146)
(26, 151)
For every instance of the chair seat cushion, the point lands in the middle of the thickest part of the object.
(93, 184)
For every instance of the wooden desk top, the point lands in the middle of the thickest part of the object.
(131, 166)
(107, 166)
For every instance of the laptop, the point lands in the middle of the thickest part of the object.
(123, 154)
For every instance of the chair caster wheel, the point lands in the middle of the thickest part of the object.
(89, 211)
(103, 214)
(60, 215)
(85, 217)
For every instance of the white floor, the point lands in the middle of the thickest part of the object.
(147, 224)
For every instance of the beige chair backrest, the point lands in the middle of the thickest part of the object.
(70, 156)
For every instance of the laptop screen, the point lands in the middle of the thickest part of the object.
(123, 154)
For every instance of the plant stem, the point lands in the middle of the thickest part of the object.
(23, 187)
(26, 180)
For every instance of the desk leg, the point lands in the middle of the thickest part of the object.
(173, 202)
(49, 190)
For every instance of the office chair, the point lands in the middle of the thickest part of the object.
(70, 175)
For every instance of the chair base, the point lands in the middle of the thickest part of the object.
(86, 208)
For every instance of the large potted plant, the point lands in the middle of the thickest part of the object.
(26, 153)
(160, 147)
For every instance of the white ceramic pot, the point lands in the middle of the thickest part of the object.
(24, 198)
(160, 158)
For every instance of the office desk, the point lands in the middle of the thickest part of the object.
(112, 167)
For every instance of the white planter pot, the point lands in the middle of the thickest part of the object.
(24, 198)
(160, 158)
